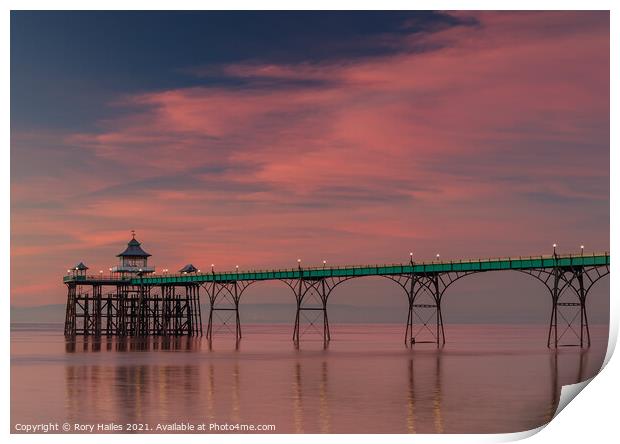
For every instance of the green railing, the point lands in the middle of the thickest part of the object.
(511, 263)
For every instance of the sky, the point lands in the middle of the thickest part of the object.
(257, 138)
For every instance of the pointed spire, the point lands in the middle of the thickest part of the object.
(189, 268)
(133, 248)
(81, 267)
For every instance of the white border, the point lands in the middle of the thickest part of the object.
(592, 417)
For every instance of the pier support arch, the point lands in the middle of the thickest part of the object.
(424, 294)
(569, 288)
(225, 297)
(311, 296)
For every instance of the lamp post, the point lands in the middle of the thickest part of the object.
(582, 250)
(213, 268)
(324, 263)
(299, 264)
(554, 247)
(411, 257)
(437, 257)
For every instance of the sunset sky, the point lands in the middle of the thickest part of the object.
(253, 139)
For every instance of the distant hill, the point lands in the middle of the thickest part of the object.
(284, 313)
(250, 313)
(44, 313)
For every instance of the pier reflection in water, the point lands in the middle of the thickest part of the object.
(362, 383)
(427, 402)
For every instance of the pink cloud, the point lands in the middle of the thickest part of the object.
(408, 150)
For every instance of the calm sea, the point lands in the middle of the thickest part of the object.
(487, 379)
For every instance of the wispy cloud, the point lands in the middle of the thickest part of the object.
(472, 137)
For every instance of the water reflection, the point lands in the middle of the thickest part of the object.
(209, 342)
(583, 364)
(318, 399)
(411, 401)
(138, 391)
(556, 384)
(438, 420)
(154, 343)
(564, 368)
(308, 393)
(211, 394)
(298, 411)
(555, 387)
(421, 404)
(324, 416)
(236, 404)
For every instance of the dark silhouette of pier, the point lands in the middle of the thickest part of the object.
(134, 301)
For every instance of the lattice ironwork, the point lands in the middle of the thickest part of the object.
(133, 310)
(424, 294)
(569, 287)
(169, 305)
(311, 296)
(224, 298)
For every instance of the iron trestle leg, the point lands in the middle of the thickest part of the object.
(311, 296)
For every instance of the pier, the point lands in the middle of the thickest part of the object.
(133, 300)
